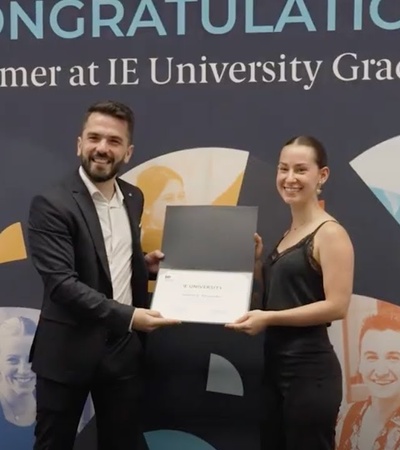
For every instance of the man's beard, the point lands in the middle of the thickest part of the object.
(99, 173)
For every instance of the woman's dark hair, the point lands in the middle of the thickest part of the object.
(321, 157)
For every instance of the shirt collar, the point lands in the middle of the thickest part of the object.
(94, 191)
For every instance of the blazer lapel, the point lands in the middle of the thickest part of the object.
(88, 209)
(139, 268)
(131, 209)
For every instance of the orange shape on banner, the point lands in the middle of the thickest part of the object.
(12, 245)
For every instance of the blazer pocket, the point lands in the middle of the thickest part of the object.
(57, 319)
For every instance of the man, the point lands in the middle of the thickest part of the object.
(84, 237)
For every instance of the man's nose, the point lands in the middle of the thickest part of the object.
(381, 369)
(102, 145)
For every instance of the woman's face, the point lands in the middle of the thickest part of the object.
(15, 369)
(380, 362)
(298, 174)
(172, 194)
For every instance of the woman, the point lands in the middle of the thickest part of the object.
(308, 281)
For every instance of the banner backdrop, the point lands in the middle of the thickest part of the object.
(217, 87)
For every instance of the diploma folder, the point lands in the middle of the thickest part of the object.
(207, 273)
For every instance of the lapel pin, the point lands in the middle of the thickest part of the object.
(130, 194)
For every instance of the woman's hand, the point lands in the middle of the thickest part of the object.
(252, 323)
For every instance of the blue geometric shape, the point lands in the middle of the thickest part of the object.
(390, 200)
(175, 440)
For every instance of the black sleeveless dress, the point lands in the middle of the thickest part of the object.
(303, 379)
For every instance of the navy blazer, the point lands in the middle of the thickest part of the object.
(79, 316)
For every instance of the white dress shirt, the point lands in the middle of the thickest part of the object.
(117, 236)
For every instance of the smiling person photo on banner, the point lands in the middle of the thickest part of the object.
(17, 382)
(374, 423)
(178, 178)
(161, 186)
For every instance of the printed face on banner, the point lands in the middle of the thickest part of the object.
(15, 366)
(177, 178)
(172, 194)
(17, 381)
(104, 146)
(367, 343)
(298, 174)
(380, 362)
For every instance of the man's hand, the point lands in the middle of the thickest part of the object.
(148, 320)
(153, 260)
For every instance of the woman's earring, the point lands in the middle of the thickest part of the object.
(319, 188)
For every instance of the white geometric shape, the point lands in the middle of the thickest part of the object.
(379, 166)
(206, 171)
(223, 377)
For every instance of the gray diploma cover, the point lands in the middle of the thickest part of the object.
(207, 273)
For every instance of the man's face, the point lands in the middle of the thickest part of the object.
(380, 362)
(104, 147)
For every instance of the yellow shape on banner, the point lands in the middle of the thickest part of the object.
(151, 286)
(230, 196)
(12, 245)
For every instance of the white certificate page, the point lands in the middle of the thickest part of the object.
(202, 296)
